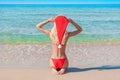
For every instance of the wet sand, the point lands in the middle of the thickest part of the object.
(79, 55)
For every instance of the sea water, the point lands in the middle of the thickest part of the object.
(100, 22)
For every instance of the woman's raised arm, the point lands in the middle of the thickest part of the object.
(39, 26)
(78, 27)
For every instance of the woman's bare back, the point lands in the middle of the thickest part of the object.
(58, 52)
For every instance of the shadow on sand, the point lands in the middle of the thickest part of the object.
(106, 67)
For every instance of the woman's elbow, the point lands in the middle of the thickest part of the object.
(80, 30)
(37, 26)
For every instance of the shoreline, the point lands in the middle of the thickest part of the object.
(79, 43)
(41, 39)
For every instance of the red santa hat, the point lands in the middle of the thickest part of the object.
(61, 25)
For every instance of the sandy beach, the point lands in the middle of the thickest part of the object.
(44, 74)
(86, 62)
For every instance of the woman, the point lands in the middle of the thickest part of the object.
(59, 37)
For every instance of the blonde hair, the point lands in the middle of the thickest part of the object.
(54, 37)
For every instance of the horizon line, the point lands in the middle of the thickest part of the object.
(59, 3)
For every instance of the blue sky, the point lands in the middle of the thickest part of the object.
(59, 1)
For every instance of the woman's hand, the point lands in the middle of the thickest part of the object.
(51, 19)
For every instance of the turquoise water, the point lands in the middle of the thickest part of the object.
(99, 22)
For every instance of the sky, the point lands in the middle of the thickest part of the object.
(59, 1)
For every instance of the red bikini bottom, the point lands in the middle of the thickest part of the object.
(58, 63)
